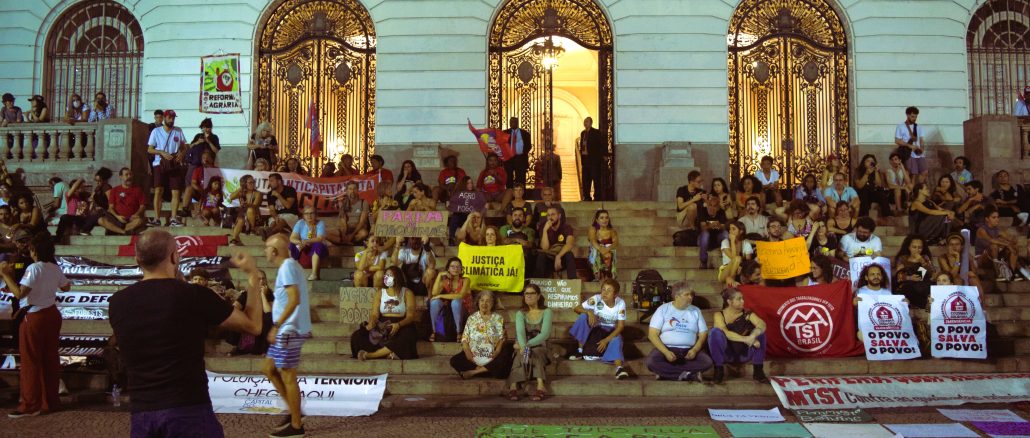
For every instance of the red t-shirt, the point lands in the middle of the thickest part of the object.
(451, 176)
(385, 175)
(126, 201)
(493, 180)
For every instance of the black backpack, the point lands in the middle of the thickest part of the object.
(650, 290)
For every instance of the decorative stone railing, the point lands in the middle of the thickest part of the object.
(48, 142)
(45, 150)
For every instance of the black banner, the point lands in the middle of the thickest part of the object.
(75, 351)
(82, 271)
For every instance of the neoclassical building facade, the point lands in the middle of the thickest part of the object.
(725, 81)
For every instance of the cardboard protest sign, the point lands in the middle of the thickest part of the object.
(886, 328)
(467, 202)
(319, 192)
(398, 223)
(859, 263)
(560, 294)
(783, 260)
(957, 323)
(356, 304)
(220, 84)
(497, 268)
(832, 415)
(811, 321)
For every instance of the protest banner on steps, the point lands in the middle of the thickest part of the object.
(396, 223)
(783, 260)
(806, 322)
(958, 326)
(319, 192)
(886, 328)
(335, 396)
(497, 268)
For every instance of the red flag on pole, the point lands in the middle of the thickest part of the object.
(312, 124)
(810, 321)
(493, 141)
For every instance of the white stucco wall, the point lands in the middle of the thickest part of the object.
(670, 64)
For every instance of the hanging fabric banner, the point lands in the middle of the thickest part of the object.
(320, 192)
(958, 326)
(886, 328)
(220, 84)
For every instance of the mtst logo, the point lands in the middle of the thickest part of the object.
(806, 324)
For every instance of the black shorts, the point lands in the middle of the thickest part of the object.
(169, 177)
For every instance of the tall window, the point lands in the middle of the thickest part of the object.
(96, 45)
(999, 56)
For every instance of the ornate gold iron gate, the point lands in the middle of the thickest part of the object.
(319, 56)
(520, 84)
(788, 70)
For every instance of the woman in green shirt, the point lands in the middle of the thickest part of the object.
(532, 329)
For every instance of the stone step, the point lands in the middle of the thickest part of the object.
(439, 365)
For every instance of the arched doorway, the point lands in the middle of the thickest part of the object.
(317, 63)
(543, 50)
(788, 87)
(998, 42)
(94, 46)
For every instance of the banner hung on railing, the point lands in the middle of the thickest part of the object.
(319, 192)
(82, 271)
(335, 396)
(220, 84)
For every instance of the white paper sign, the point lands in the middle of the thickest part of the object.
(886, 328)
(847, 430)
(930, 430)
(336, 396)
(981, 415)
(957, 323)
(746, 415)
(859, 263)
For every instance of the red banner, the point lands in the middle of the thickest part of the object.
(189, 246)
(806, 322)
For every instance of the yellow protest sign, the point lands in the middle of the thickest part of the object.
(783, 260)
(497, 268)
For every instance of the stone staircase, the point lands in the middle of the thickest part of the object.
(645, 230)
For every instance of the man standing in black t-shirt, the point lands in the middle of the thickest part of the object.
(161, 323)
(282, 202)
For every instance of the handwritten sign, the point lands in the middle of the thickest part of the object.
(832, 416)
(783, 260)
(356, 304)
(412, 224)
(467, 202)
(560, 294)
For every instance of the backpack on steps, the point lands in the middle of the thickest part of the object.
(650, 290)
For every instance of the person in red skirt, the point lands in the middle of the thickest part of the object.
(39, 333)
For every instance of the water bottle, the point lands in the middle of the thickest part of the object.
(116, 395)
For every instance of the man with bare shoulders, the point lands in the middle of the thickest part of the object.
(161, 323)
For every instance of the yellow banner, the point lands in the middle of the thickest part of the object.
(496, 268)
(783, 260)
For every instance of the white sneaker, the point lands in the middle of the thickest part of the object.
(591, 357)
(61, 388)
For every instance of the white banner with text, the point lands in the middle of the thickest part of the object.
(336, 396)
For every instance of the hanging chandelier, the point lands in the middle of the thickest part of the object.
(548, 51)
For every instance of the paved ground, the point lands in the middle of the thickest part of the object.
(102, 420)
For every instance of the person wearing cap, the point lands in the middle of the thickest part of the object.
(38, 111)
(164, 144)
(101, 109)
(10, 113)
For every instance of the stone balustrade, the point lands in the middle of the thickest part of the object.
(48, 142)
(44, 150)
